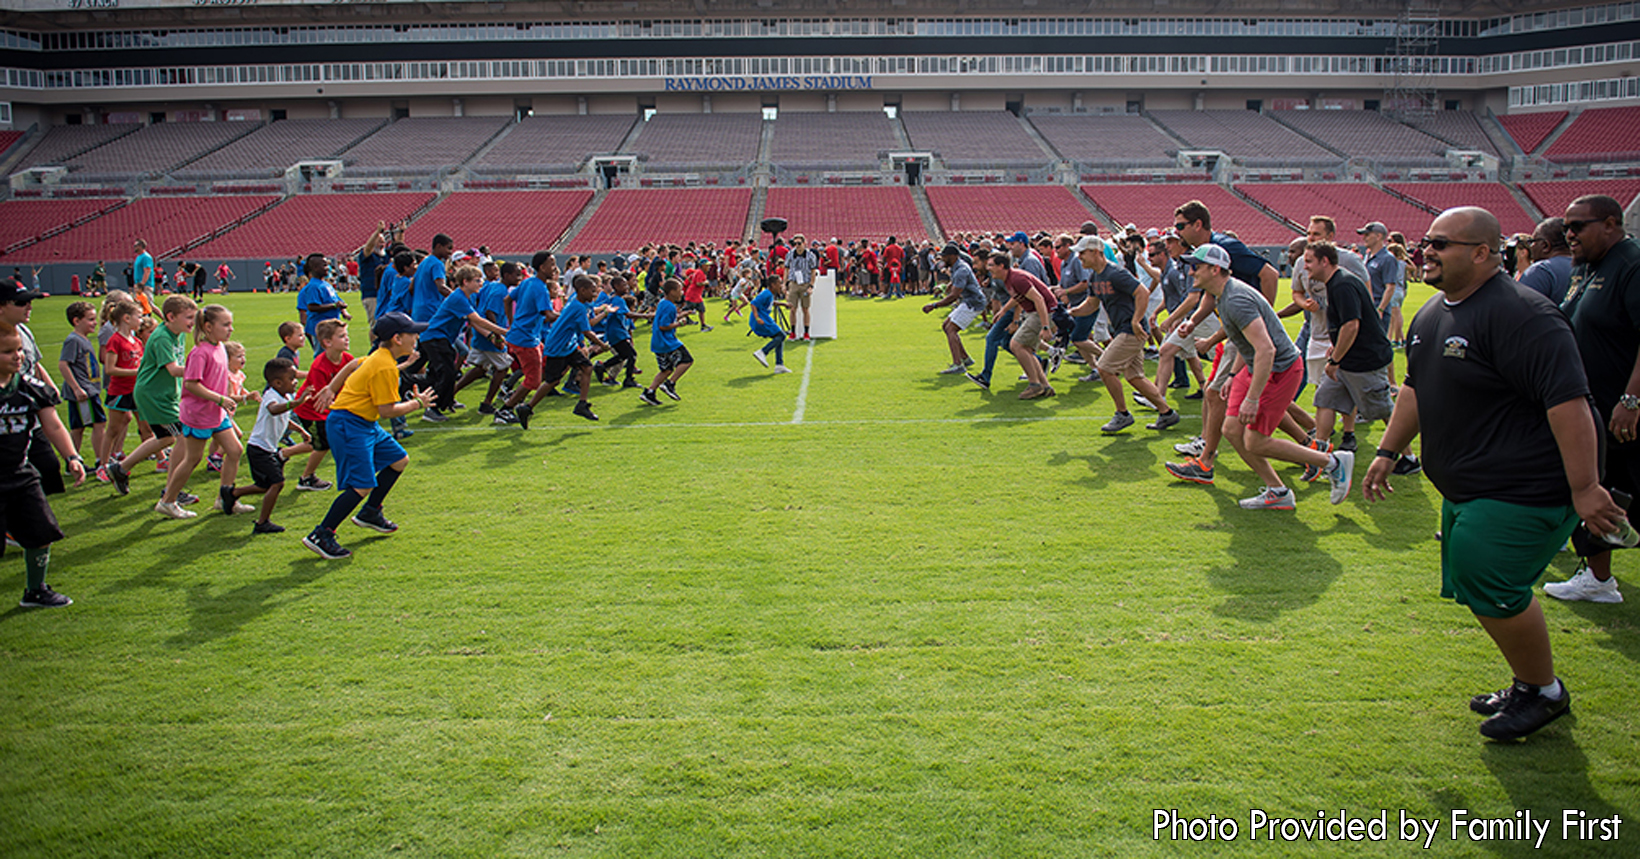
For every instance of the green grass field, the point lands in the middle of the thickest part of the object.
(859, 610)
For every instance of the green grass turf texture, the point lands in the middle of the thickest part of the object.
(925, 621)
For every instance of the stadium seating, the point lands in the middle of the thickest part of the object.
(973, 139)
(422, 144)
(1601, 134)
(1531, 129)
(1152, 206)
(1350, 205)
(507, 222)
(847, 213)
(834, 140)
(165, 223)
(677, 140)
(1248, 136)
(1121, 138)
(1491, 196)
(554, 144)
(1005, 208)
(1552, 198)
(1461, 127)
(21, 220)
(8, 139)
(318, 223)
(628, 219)
(1367, 134)
(272, 149)
(156, 148)
(64, 141)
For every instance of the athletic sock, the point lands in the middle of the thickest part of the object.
(340, 509)
(384, 484)
(35, 562)
(1554, 691)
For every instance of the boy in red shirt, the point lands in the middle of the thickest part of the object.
(694, 293)
(333, 339)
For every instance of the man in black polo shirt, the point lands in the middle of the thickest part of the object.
(1495, 386)
(1603, 303)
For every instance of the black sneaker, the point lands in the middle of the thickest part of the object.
(1347, 442)
(45, 597)
(1489, 703)
(671, 390)
(122, 481)
(648, 398)
(185, 498)
(1196, 396)
(523, 413)
(1525, 711)
(323, 542)
(486, 408)
(979, 380)
(554, 392)
(1407, 465)
(372, 518)
(505, 418)
(312, 483)
(267, 528)
(630, 384)
(1171, 419)
(584, 410)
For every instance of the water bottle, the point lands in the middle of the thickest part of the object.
(1625, 536)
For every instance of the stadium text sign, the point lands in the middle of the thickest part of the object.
(731, 84)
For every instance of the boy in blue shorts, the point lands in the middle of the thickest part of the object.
(561, 350)
(670, 354)
(368, 460)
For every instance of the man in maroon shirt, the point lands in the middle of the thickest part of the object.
(1036, 306)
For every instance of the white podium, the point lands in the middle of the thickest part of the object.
(823, 307)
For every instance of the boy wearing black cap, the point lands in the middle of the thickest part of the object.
(368, 460)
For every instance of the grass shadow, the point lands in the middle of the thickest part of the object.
(1545, 774)
(213, 616)
(1278, 565)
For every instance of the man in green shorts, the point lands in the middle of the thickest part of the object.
(1493, 376)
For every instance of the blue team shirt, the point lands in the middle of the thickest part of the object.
(369, 266)
(450, 317)
(317, 292)
(425, 300)
(661, 341)
(617, 327)
(1244, 263)
(565, 335)
(530, 300)
(764, 302)
(491, 303)
(144, 264)
(394, 295)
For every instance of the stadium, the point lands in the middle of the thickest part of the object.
(864, 613)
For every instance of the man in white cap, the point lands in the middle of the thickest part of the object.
(1261, 391)
(1124, 300)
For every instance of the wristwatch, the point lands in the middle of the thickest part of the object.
(1386, 453)
(1630, 402)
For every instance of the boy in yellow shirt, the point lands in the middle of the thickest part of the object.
(368, 460)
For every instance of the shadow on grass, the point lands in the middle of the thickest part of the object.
(213, 616)
(1278, 565)
(1121, 459)
(1548, 773)
(1622, 636)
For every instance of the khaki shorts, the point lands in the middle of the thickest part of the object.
(797, 295)
(1227, 368)
(1029, 334)
(1124, 356)
(1208, 328)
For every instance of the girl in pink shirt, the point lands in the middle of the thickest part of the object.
(205, 412)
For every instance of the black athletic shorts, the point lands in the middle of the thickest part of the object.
(267, 466)
(45, 462)
(553, 367)
(172, 430)
(25, 514)
(321, 441)
(669, 361)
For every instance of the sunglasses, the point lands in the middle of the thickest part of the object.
(1577, 226)
(1440, 244)
(1179, 228)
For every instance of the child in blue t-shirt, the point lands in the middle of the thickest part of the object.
(671, 355)
(763, 325)
(618, 332)
(488, 355)
(561, 350)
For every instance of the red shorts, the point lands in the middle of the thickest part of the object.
(528, 359)
(1278, 394)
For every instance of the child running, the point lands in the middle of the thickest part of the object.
(671, 356)
(158, 390)
(121, 356)
(205, 411)
(561, 350)
(26, 404)
(333, 341)
(368, 460)
(82, 379)
(266, 459)
(618, 333)
(763, 325)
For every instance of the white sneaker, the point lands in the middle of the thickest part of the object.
(1269, 499)
(1145, 404)
(1340, 472)
(782, 368)
(758, 354)
(174, 510)
(1584, 586)
(1193, 447)
(238, 506)
(953, 370)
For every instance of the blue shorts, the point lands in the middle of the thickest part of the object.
(205, 434)
(361, 448)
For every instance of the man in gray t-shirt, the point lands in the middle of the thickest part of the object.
(1260, 392)
(964, 292)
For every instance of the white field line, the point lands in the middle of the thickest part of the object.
(747, 424)
(803, 389)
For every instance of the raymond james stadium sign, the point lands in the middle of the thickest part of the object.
(730, 84)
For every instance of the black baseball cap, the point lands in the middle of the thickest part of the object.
(389, 324)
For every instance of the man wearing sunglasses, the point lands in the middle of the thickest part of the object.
(1551, 270)
(1604, 305)
(1495, 387)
